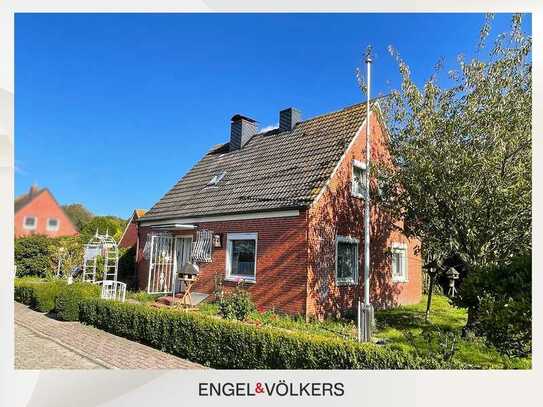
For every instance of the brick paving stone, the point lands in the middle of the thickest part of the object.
(33, 351)
(45, 343)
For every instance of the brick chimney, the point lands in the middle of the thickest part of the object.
(33, 190)
(288, 118)
(241, 130)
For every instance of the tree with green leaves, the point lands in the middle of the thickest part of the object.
(113, 225)
(461, 176)
(78, 214)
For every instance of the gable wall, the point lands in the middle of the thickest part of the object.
(44, 206)
(337, 212)
(130, 235)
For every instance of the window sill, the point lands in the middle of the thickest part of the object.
(399, 280)
(359, 196)
(350, 282)
(238, 279)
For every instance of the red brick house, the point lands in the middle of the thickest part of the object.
(283, 210)
(38, 213)
(129, 237)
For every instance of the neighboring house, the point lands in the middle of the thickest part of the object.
(38, 213)
(283, 210)
(129, 237)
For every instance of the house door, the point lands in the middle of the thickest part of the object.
(183, 250)
(161, 264)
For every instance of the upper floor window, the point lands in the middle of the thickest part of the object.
(30, 222)
(241, 256)
(359, 175)
(399, 262)
(52, 224)
(346, 260)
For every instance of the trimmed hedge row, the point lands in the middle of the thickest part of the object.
(38, 294)
(67, 301)
(54, 295)
(234, 345)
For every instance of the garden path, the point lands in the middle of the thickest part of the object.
(45, 343)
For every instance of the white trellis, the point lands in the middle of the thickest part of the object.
(105, 246)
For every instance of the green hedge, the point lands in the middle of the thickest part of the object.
(234, 345)
(39, 294)
(67, 302)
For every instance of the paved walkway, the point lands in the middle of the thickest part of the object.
(45, 343)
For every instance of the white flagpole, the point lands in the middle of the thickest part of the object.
(365, 312)
(367, 203)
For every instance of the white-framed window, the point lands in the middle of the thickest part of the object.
(53, 224)
(399, 262)
(30, 222)
(346, 260)
(359, 175)
(241, 256)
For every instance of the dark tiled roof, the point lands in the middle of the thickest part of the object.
(24, 199)
(274, 170)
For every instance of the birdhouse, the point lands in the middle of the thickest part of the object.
(453, 274)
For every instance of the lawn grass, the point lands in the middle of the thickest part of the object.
(401, 328)
(142, 296)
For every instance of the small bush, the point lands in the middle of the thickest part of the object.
(67, 302)
(499, 302)
(230, 344)
(236, 305)
(38, 293)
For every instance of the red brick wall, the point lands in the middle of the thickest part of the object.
(281, 269)
(130, 235)
(42, 207)
(337, 212)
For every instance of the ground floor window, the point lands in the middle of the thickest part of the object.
(241, 256)
(399, 262)
(346, 260)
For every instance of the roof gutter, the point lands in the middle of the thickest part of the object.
(158, 221)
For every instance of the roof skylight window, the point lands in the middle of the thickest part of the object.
(216, 179)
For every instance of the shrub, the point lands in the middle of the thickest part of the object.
(230, 344)
(67, 301)
(33, 256)
(39, 294)
(498, 299)
(127, 267)
(236, 305)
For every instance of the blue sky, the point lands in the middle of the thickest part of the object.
(112, 109)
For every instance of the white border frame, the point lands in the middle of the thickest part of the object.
(25, 227)
(401, 248)
(228, 276)
(352, 240)
(55, 229)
